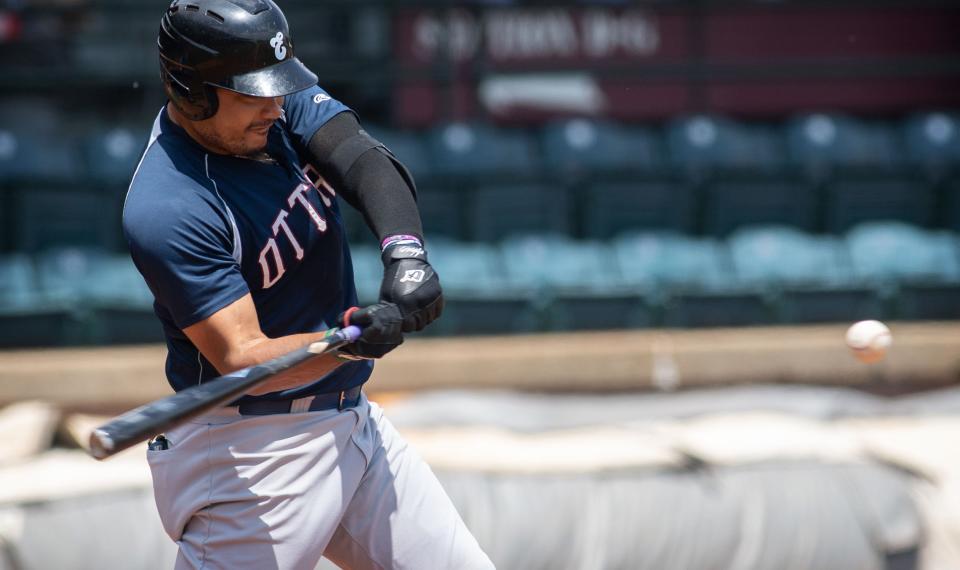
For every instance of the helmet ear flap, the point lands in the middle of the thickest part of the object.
(197, 101)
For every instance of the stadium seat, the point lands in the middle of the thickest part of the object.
(898, 252)
(443, 211)
(704, 145)
(578, 281)
(580, 147)
(18, 286)
(473, 150)
(367, 272)
(664, 260)
(478, 297)
(851, 201)
(824, 145)
(70, 275)
(919, 268)
(408, 146)
(27, 317)
(950, 208)
(545, 261)
(729, 205)
(498, 211)
(691, 279)
(26, 158)
(809, 276)
(49, 218)
(112, 155)
(933, 142)
(778, 255)
(121, 304)
(612, 208)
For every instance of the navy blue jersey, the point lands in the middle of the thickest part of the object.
(206, 229)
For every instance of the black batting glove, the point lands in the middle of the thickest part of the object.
(411, 283)
(381, 324)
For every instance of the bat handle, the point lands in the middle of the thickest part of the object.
(351, 333)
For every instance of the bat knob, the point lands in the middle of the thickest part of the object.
(101, 444)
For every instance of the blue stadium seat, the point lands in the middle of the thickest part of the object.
(27, 316)
(855, 200)
(117, 282)
(367, 272)
(810, 276)
(121, 304)
(502, 210)
(612, 208)
(408, 146)
(27, 158)
(704, 145)
(18, 285)
(917, 268)
(691, 279)
(671, 261)
(933, 142)
(112, 155)
(474, 150)
(898, 252)
(950, 207)
(443, 211)
(577, 280)
(731, 204)
(544, 261)
(823, 145)
(478, 298)
(60, 217)
(579, 147)
(780, 255)
(69, 274)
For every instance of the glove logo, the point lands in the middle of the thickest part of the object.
(279, 49)
(413, 276)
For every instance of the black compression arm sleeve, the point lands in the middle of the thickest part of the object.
(373, 184)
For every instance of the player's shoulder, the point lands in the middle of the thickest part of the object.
(169, 189)
(306, 111)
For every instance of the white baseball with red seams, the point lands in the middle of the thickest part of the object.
(869, 340)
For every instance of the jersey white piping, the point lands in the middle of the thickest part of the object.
(200, 362)
(154, 133)
(237, 246)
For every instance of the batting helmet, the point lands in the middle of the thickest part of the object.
(240, 45)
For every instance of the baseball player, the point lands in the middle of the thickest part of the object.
(231, 217)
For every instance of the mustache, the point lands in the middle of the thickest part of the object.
(261, 125)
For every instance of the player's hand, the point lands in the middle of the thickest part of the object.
(411, 283)
(381, 324)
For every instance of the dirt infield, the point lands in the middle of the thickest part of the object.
(922, 355)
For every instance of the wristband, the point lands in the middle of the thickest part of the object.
(401, 238)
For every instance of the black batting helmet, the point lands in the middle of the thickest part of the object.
(240, 45)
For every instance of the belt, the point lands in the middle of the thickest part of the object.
(329, 401)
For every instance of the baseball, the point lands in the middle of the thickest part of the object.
(869, 340)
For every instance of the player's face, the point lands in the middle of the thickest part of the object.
(241, 123)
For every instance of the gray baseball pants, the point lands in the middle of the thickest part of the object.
(276, 492)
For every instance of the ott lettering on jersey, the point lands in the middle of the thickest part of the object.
(271, 261)
(279, 50)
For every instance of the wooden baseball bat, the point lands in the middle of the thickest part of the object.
(160, 415)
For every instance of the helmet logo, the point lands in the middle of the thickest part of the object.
(279, 49)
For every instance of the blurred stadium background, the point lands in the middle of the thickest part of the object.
(705, 192)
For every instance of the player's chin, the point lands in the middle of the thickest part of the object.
(254, 142)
